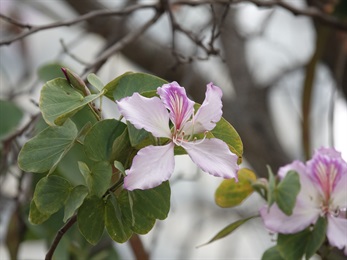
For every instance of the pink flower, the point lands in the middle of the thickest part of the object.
(323, 193)
(155, 164)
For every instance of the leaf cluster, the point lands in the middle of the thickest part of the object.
(82, 158)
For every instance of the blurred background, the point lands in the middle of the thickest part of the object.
(283, 75)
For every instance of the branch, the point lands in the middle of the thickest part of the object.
(93, 14)
(127, 39)
(59, 235)
(15, 22)
(137, 247)
(176, 27)
(309, 11)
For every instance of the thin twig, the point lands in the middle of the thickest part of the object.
(59, 235)
(15, 22)
(176, 27)
(132, 36)
(71, 55)
(93, 14)
(313, 12)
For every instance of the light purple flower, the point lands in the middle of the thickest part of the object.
(155, 164)
(323, 193)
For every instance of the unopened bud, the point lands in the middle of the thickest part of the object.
(75, 81)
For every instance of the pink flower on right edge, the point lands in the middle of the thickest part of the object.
(323, 192)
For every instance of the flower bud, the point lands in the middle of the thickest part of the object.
(75, 81)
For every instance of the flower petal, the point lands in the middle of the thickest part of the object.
(339, 195)
(151, 166)
(213, 156)
(297, 166)
(326, 168)
(175, 99)
(208, 114)
(147, 113)
(276, 221)
(336, 232)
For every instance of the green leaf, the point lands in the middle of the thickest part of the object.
(231, 193)
(59, 101)
(50, 194)
(316, 238)
(98, 143)
(119, 166)
(83, 117)
(50, 71)
(91, 220)
(75, 200)
(36, 217)
(10, 116)
(116, 225)
(95, 81)
(145, 206)
(46, 149)
(272, 185)
(228, 229)
(134, 216)
(121, 149)
(139, 138)
(153, 202)
(128, 83)
(97, 177)
(292, 246)
(272, 254)
(286, 192)
(227, 133)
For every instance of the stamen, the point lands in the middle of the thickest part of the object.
(200, 140)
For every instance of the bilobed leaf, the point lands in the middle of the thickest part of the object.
(227, 133)
(134, 216)
(121, 148)
(50, 194)
(272, 254)
(74, 201)
(316, 238)
(304, 243)
(231, 193)
(36, 217)
(95, 81)
(98, 143)
(59, 101)
(91, 219)
(10, 116)
(84, 117)
(50, 71)
(43, 151)
(153, 202)
(293, 246)
(139, 138)
(229, 229)
(116, 225)
(97, 177)
(286, 192)
(128, 83)
(145, 206)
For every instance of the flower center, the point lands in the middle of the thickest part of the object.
(180, 137)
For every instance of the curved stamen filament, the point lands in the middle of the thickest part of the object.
(200, 140)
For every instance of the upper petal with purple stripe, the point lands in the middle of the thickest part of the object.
(175, 99)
